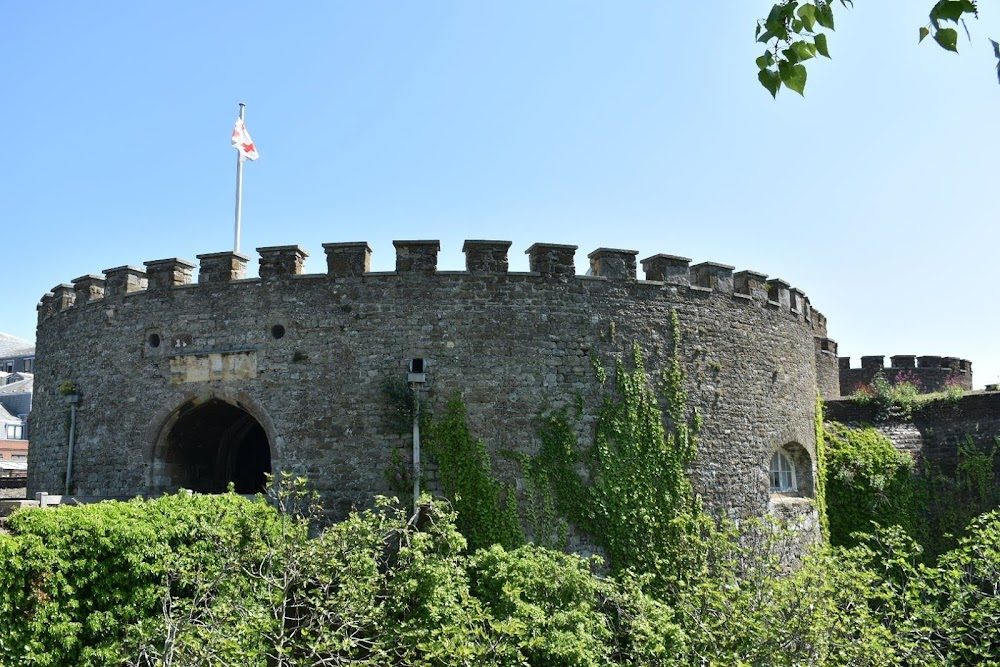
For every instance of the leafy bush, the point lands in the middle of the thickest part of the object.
(76, 580)
(867, 481)
(215, 580)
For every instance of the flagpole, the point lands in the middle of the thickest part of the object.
(239, 188)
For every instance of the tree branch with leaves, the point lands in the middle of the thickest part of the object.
(795, 32)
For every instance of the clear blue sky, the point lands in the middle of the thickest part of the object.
(630, 124)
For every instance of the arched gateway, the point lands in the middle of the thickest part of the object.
(205, 445)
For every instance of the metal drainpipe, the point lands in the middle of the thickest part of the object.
(416, 446)
(69, 455)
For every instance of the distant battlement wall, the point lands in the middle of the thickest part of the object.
(164, 358)
(933, 373)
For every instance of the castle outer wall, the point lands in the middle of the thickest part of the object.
(933, 434)
(307, 357)
(930, 373)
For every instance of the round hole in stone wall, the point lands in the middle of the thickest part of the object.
(278, 331)
(154, 340)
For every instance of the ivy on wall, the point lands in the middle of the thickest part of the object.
(821, 469)
(487, 511)
(949, 502)
(868, 481)
(630, 491)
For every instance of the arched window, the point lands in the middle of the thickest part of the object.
(782, 473)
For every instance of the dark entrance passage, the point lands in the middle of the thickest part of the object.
(213, 444)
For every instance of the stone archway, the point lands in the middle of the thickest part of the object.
(206, 445)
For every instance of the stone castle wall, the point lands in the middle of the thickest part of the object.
(936, 431)
(307, 356)
(933, 373)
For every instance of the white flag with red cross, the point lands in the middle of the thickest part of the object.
(242, 141)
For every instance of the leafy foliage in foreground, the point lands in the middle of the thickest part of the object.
(793, 33)
(221, 580)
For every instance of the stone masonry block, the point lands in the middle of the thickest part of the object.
(873, 362)
(416, 256)
(669, 269)
(929, 361)
(347, 259)
(486, 256)
(222, 267)
(797, 300)
(903, 361)
(551, 259)
(65, 296)
(164, 274)
(281, 261)
(123, 279)
(613, 263)
(46, 306)
(752, 283)
(777, 293)
(718, 277)
(88, 288)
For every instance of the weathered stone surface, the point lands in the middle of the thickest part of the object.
(752, 284)
(347, 259)
(669, 269)
(777, 293)
(552, 259)
(715, 276)
(163, 274)
(123, 280)
(213, 366)
(486, 256)
(88, 288)
(281, 261)
(308, 358)
(416, 256)
(827, 366)
(936, 431)
(64, 296)
(222, 267)
(613, 263)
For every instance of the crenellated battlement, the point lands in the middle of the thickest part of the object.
(548, 262)
(933, 373)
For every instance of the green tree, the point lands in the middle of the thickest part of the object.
(796, 31)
